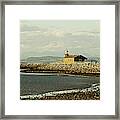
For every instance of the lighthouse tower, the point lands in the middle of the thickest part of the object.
(68, 59)
(66, 54)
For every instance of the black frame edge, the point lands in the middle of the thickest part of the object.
(2, 59)
(117, 9)
(61, 2)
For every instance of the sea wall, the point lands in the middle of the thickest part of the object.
(81, 68)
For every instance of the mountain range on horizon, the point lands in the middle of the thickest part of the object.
(51, 59)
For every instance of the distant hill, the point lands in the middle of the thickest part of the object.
(44, 59)
(97, 59)
(51, 59)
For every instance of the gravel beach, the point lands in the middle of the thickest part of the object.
(92, 93)
(88, 95)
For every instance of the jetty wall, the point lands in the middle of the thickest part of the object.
(81, 68)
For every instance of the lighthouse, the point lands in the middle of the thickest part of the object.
(68, 59)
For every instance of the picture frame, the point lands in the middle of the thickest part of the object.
(70, 2)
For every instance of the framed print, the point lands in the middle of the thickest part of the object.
(59, 59)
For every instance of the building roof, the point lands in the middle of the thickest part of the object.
(81, 56)
(74, 56)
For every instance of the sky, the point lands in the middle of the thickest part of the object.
(52, 37)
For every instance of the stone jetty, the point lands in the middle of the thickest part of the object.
(81, 68)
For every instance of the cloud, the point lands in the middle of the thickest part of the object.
(57, 33)
(38, 39)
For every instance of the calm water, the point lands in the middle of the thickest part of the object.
(31, 84)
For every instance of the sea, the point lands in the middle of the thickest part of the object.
(41, 83)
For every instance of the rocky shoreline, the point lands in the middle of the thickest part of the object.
(92, 93)
(75, 69)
